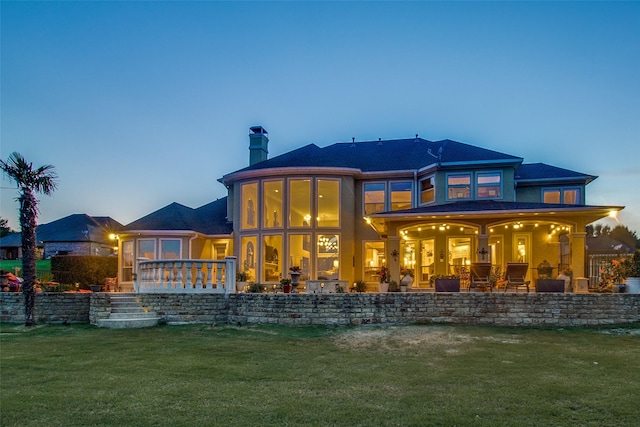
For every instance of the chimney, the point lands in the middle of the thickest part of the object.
(258, 145)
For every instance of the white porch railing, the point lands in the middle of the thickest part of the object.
(186, 276)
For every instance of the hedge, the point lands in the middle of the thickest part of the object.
(83, 269)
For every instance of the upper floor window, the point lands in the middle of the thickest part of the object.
(567, 196)
(459, 186)
(374, 197)
(300, 203)
(400, 193)
(328, 200)
(249, 201)
(272, 196)
(427, 190)
(489, 185)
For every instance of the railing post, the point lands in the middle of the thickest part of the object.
(230, 275)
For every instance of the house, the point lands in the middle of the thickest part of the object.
(344, 211)
(77, 234)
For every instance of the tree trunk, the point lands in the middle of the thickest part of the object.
(28, 215)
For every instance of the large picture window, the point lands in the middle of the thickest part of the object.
(328, 203)
(272, 196)
(300, 253)
(249, 201)
(272, 258)
(300, 203)
(248, 257)
(400, 193)
(328, 257)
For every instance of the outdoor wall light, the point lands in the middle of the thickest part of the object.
(441, 255)
(394, 254)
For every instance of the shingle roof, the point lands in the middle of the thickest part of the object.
(207, 219)
(485, 206)
(535, 172)
(389, 155)
(72, 228)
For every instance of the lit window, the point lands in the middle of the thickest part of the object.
(300, 203)
(272, 259)
(459, 186)
(272, 196)
(427, 190)
(489, 185)
(328, 257)
(567, 196)
(328, 199)
(400, 195)
(127, 261)
(373, 198)
(249, 198)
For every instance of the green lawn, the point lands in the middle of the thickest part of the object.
(43, 264)
(224, 375)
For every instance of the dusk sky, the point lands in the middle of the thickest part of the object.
(140, 104)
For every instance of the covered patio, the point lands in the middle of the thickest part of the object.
(444, 240)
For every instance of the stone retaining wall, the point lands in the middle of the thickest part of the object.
(49, 307)
(510, 309)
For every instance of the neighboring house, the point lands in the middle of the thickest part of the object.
(601, 250)
(77, 234)
(348, 209)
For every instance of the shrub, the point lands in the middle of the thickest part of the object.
(83, 269)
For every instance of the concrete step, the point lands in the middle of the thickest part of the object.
(128, 323)
(140, 315)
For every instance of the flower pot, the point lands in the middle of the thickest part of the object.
(95, 288)
(447, 285)
(633, 285)
(618, 288)
(286, 289)
(383, 287)
(240, 286)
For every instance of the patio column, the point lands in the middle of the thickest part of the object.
(482, 252)
(578, 246)
(393, 261)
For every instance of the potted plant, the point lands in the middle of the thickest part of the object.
(393, 286)
(406, 279)
(359, 286)
(384, 279)
(286, 285)
(242, 278)
(629, 269)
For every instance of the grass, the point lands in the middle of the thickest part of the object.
(227, 375)
(42, 264)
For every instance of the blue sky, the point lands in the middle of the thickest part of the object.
(140, 104)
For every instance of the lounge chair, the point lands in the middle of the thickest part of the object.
(480, 276)
(516, 275)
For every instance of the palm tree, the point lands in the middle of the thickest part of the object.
(29, 181)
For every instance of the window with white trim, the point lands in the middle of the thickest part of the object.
(374, 195)
(400, 195)
(459, 186)
(566, 196)
(489, 185)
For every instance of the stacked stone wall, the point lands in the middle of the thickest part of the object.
(510, 309)
(49, 307)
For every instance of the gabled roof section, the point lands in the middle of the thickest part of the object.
(208, 219)
(605, 244)
(532, 173)
(382, 156)
(72, 228)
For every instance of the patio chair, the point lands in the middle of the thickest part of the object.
(480, 276)
(516, 275)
